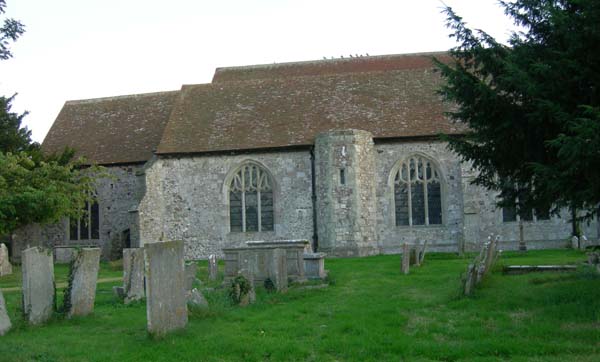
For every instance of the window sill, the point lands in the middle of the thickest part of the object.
(428, 227)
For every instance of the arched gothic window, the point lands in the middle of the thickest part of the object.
(418, 193)
(251, 200)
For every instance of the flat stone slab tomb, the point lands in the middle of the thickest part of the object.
(257, 256)
(523, 269)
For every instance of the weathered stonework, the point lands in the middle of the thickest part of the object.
(38, 284)
(346, 207)
(444, 237)
(188, 199)
(166, 305)
(82, 284)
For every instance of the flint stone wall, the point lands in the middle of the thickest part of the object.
(444, 237)
(346, 198)
(38, 284)
(133, 274)
(483, 217)
(187, 199)
(82, 285)
(166, 306)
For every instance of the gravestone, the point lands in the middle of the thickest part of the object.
(166, 307)
(5, 266)
(195, 298)
(213, 267)
(5, 324)
(191, 269)
(133, 274)
(38, 284)
(575, 242)
(414, 255)
(250, 296)
(81, 291)
(405, 258)
(314, 265)
(422, 253)
(278, 269)
(470, 279)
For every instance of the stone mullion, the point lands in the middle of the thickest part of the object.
(426, 201)
(410, 222)
(243, 179)
(258, 201)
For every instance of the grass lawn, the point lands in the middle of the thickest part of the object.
(370, 312)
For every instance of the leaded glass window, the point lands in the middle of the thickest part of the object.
(88, 225)
(418, 193)
(251, 200)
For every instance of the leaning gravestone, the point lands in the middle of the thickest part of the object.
(133, 274)
(83, 275)
(38, 284)
(166, 307)
(213, 267)
(405, 258)
(4, 320)
(5, 266)
(575, 242)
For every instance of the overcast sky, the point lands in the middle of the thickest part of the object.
(79, 49)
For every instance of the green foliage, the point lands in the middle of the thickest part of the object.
(13, 137)
(41, 192)
(532, 107)
(373, 314)
(10, 31)
(35, 188)
(239, 288)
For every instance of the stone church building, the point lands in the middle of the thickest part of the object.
(344, 153)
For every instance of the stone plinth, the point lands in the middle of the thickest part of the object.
(38, 284)
(278, 269)
(314, 265)
(166, 307)
(81, 292)
(5, 324)
(133, 274)
(5, 266)
(256, 257)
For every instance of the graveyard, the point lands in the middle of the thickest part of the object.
(365, 309)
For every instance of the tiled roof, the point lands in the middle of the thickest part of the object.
(121, 129)
(261, 106)
(289, 104)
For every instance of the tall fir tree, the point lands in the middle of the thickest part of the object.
(532, 106)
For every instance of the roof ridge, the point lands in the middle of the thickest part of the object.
(324, 61)
(126, 96)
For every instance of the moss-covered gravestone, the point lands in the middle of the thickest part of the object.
(83, 275)
(38, 284)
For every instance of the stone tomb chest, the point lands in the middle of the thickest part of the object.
(256, 257)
